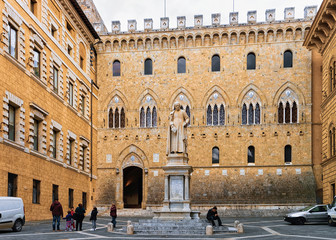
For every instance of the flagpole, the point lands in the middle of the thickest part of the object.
(165, 9)
(233, 5)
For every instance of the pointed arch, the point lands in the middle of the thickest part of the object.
(211, 91)
(109, 99)
(132, 150)
(248, 88)
(177, 92)
(150, 92)
(294, 88)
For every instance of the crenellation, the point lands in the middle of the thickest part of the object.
(270, 15)
(215, 19)
(181, 22)
(198, 21)
(252, 17)
(289, 14)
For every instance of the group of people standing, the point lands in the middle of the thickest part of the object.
(77, 215)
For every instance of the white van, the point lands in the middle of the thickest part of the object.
(332, 213)
(11, 213)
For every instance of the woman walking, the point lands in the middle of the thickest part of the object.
(113, 214)
(80, 211)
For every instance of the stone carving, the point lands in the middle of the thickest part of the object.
(177, 130)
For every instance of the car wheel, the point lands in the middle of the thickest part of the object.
(300, 221)
(17, 227)
(330, 222)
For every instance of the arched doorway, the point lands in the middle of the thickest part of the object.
(132, 185)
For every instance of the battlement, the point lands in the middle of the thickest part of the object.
(289, 15)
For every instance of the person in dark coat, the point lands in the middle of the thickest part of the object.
(57, 211)
(80, 211)
(213, 215)
(113, 214)
(93, 218)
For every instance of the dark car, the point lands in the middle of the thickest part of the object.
(317, 213)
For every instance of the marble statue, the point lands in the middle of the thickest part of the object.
(177, 130)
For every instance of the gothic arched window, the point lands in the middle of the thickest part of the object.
(110, 121)
(250, 114)
(188, 113)
(154, 117)
(116, 118)
(294, 113)
(116, 68)
(287, 113)
(244, 114)
(222, 115)
(215, 115)
(142, 117)
(148, 117)
(250, 155)
(332, 141)
(280, 113)
(181, 65)
(257, 114)
(288, 154)
(209, 115)
(215, 155)
(148, 67)
(288, 59)
(215, 63)
(251, 61)
(122, 118)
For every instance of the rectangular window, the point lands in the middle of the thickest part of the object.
(71, 145)
(83, 105)
(333, 193)
(54, 151)
(69, 50)
(84, 199)
(36, 60)
(81, 62)
(53, 31)
(54, 192)
(71, 94)
(71, 198)
(12, 38)
(36, 135)
(11, 123)
(33, 6)
(83, 157)
(36, 191)
(12, 185)
(69, 28)
(55, 79)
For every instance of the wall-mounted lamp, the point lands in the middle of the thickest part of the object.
(146, 170)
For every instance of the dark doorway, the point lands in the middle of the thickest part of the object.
(132, 187)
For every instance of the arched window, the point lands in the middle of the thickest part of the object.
(332, 141)
(332, 76)
(257, 114)
(122, 118)
(110, 121)
(215, 155)
(244, 114)
(116, 118)
(215, 63)
(215, 115)
(148, 117)
(287, 113)
(280, 113)
(181, 65)
(142, 117)
(288, 59)
(288, 154)
(251, 114)
(294, 113)
(148, 66)
(154, 117)
(116, 68)
(188, 113)
(209, 115)
(222, 115)
(251, 61)
(250, 155)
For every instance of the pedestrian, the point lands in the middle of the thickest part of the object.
(79, 216)
(57, 211)
(68, 219)
(93, 218)
(213, 215)
(72, 220)
(113, 214)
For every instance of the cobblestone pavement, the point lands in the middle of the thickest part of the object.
(254, 228)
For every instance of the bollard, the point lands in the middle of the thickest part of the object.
(130, 230)
(110, 227)
(209, 230)
(235, 224)
(240, 228)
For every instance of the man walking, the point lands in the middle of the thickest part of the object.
(57, 212)
(213, 215)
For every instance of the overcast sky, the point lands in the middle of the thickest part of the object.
(123, 10)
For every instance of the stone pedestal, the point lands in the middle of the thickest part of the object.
(176, 204)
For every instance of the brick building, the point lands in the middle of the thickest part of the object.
(321, 40)
(48, 92)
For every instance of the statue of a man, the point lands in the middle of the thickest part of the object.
(177, 130)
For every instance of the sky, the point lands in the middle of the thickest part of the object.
(123, 10)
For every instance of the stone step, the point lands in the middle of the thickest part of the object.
(171, 232)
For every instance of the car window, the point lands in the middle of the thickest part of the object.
(315, 209)
(323, 208)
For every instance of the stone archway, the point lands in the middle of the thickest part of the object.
(132, 187)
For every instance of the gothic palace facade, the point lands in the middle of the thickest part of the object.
(253, 139)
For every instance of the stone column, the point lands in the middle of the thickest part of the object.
(186, 187)
(166, 188)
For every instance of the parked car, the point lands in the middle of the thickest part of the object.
(317, 213)
(11, 213)
(332, 213)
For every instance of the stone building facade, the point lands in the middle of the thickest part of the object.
(48, 94)
(321, 40)
(252, 139)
